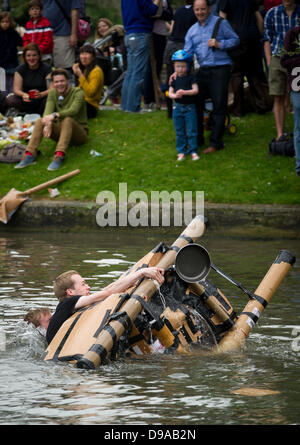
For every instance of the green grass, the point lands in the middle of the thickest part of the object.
(140, 151)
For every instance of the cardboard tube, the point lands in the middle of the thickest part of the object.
(236, 337)
(130, 310)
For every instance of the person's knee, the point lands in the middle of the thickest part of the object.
(10, 100)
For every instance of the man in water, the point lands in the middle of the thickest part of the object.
(40, 318)
(73, 293)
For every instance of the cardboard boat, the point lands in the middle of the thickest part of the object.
(175, 318)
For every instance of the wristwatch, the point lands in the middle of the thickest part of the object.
(55, 115)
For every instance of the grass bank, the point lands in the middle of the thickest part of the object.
(140, 151)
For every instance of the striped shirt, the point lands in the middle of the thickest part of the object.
(39, 32)
(277, 23)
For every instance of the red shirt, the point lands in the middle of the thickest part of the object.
(268, 4)
(41, 33)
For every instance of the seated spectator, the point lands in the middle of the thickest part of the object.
(89, 76)
(30, 82)
(10, 39)
(102, 27)
(38, 30)
(65, 121)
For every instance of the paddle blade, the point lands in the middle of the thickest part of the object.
(9, 204)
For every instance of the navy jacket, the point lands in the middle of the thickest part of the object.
(136, 15)
(9, 41)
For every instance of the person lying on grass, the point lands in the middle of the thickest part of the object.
(74, 293)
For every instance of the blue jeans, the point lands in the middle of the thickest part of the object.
(138, 54)
(185, 124)
(296, 105)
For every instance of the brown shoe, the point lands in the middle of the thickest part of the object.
(209, 150)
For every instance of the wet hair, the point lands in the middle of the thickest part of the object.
(34, 315)
(7, 15)
(59, 72)
(35, 3)
(31, 47)
(87, 48)
(63, 282)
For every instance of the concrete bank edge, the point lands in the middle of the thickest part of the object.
(64, 215)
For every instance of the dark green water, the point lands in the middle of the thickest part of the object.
(156, 389)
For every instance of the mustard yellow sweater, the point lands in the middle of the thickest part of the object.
(92, 86)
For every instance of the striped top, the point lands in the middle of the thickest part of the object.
(277, 23)
(41, 33)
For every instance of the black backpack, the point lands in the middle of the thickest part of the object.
(284, 146)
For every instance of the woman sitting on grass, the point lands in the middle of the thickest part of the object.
(89, 76)
(31, 82)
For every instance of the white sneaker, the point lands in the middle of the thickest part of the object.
(195, 157)
(180, 157)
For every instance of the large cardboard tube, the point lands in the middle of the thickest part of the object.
(130, 310)
(236, 337)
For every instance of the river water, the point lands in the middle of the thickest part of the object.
(157, 389)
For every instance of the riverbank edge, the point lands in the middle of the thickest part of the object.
(76, 216)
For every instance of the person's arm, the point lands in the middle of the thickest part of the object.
(260, 22)
(192, 92)
(121, 285)
(171, 93)
(228, 38)
(74, 25)
(267, 50)
(151, 8)
(94, 82)
(18, 87)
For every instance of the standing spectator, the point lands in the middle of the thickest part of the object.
(137, 20)
(183, 90)
(214, 72)
(63, 16)
(247, 22)
(159, 41)
(10, 39)
(38, 30)
(184, 18)
(278, 21)
(291, 61)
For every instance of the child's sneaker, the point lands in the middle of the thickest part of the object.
(180, 157)
(195, 157)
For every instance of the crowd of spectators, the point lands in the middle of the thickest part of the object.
(237, 48)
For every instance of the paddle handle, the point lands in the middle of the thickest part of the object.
(51, 182)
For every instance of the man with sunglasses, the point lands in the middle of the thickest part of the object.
(64, 120)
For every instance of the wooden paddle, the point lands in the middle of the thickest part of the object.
(14, 198)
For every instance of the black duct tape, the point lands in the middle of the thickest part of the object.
(285, 256)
